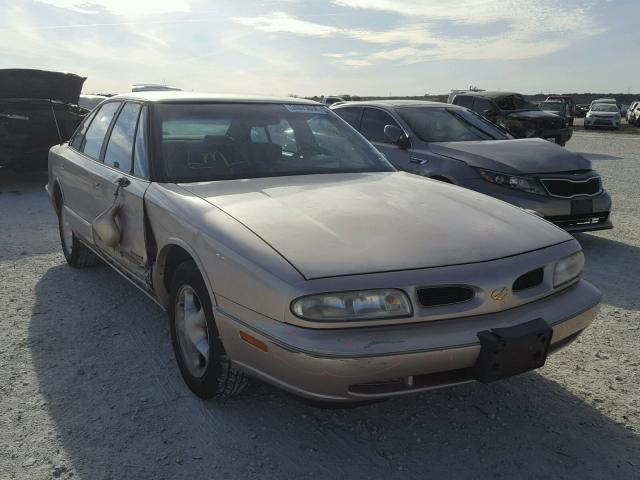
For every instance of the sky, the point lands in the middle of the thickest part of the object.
(332, 47)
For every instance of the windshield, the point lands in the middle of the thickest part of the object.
(603, 107)
(206, 142)
(552, 106)
(449, 125)
(514, 102)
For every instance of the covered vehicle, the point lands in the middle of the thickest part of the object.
(456, 145)
(284, 246)
(513, 112)
(38, 109)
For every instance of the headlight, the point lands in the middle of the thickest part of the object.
(568, 268)
(589, 114)
(524, 184)
(356, 305)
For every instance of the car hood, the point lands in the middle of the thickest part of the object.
(348, 224)
(42, 84)
(529, 114)
(524, 156)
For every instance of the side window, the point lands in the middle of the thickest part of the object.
(373, 123)
(120, 147)
(463, 100)
(480, 105)
(94, 138)
(78, 137)
(351, 115)
(140, 156)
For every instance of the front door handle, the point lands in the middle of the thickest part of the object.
(123, 182)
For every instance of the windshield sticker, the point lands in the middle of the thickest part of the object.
(307, 109)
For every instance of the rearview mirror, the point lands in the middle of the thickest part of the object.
(396, 136)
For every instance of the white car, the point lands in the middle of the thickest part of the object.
(603, 115)
(632, 112)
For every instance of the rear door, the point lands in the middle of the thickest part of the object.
(81, 174)
(124, 175)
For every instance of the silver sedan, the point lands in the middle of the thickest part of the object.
(285, 247)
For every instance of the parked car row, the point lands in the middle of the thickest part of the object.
(521, 118)
(456, 145)
(286, 246)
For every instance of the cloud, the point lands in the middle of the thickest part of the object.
(512, 29)
(123, 7)
(339, 55)
(282, 22)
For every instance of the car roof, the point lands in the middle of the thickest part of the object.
(488, 94)
(396, 104)
(197, 97)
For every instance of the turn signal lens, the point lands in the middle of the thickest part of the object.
(251, 340)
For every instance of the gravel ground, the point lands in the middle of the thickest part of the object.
(89, 389)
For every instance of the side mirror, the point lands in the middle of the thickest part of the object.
(396, 136)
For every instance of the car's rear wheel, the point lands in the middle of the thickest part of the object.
(75, 252)
(201, 357)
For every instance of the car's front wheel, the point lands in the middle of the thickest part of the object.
(75, 252)
(201, 357)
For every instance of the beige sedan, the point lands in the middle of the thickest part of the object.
(284, 246)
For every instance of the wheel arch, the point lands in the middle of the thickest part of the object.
(172, 254)
(442, 178)
(57, 197)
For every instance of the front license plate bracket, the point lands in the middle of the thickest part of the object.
(582, 206)
(508, 351)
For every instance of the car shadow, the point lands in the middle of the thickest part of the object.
(604, 260)
(23, 196)
(101, 351)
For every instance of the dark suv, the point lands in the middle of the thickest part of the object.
(511, 111)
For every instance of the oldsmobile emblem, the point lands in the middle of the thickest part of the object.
(500, 293)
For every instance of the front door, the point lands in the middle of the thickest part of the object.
(372, 127)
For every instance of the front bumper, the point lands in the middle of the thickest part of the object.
(561, 135)
(378, 362)
(554, 209)
(602, 122)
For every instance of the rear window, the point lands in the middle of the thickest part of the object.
(463, 100)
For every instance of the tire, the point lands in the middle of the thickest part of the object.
(75, 252)
(203, 362)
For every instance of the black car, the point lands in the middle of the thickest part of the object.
(511, 111)
(455, 145)
(38, 109)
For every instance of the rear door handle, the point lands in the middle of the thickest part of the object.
(97, 185)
